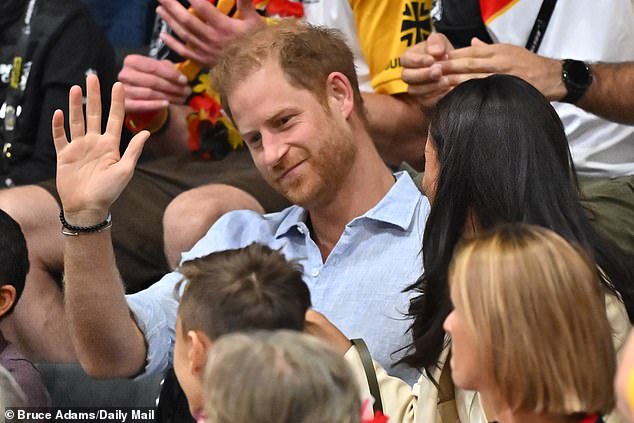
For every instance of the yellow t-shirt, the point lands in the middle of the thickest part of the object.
(386, 28)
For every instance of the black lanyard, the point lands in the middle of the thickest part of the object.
(541, 23)
(15, 90)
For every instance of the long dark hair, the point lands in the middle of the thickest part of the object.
(504, 157)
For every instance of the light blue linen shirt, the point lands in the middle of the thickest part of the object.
(358, 288)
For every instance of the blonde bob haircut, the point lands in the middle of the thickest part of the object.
(537, 311)
(282, 377)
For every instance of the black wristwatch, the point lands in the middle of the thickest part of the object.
(577, 77)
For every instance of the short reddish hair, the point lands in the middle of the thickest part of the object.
(306, 54)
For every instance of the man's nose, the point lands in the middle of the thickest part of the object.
(274, 149)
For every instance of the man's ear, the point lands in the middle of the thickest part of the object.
(200, 345)
(7, 298)
(339, 92)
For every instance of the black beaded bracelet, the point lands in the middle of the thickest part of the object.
(68, 229)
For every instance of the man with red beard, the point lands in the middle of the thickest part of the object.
(356, 228)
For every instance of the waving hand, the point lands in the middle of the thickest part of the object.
(91, 174)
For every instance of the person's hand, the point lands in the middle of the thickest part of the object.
(480, 60)
(90, 171)
(151, 85)
(423, 72)
(317, 325)
(205, 34)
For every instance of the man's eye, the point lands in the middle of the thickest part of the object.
(285, 119)
(253, 140)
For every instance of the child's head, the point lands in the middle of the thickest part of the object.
(251, 288)
(282, 377)
(529, 325)
(14, 263)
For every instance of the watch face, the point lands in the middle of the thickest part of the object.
(577, 73)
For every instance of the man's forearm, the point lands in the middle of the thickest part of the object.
(106, 338)
(398, 127)
(611, 94)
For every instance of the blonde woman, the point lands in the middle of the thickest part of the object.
(529, 330)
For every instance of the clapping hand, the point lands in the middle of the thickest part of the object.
(205, 34)
(423, 70)
(151, 85)
(433, 68)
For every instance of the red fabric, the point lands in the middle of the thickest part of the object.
(378, 418)
(489, 8)
(285, 8)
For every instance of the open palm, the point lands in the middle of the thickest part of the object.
(90, 171)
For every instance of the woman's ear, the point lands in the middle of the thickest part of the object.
(7, 298)
(340, 93)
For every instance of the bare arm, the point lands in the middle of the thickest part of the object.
(434, 67)
(107, 341)
(90, 176)
(398, 126)
(610, 95)
(431, 76)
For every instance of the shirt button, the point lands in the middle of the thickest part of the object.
(300, 230)
(315, 272)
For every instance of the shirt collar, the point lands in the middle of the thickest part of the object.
(397, 208)
(295, 216)
(399, 204)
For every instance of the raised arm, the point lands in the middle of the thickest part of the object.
(90, 176)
